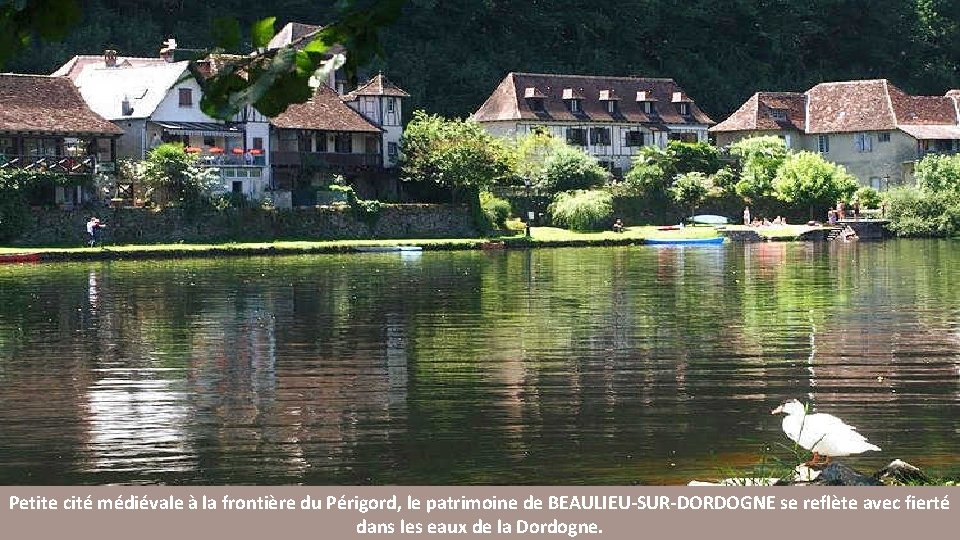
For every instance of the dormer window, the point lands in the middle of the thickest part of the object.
(683, 108)
(534, 98)
(611, 100)
(778, 114)
(573, 99)
(682, 102)
(646, 99)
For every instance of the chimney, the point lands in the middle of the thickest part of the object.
(110, 58)
(167, 49)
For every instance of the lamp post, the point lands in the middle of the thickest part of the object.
(526, 183)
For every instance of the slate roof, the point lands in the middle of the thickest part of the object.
(324, 111)
(48, 105)
(508, 101)
(760, 113)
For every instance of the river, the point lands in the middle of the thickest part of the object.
(616, 366)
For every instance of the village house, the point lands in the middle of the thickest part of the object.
(609, 117)
(155, 100)
(46, 126)
(871, 127)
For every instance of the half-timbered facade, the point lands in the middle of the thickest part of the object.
(380, 101)
(609, 117)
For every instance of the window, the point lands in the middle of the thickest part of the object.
(343, 143)
(823, 144)
(648, 107)
(186, 97)
(612, 107)
(536, 104)
(322, 145)
(683, 137)
(577, 136)
(600, 136)
(863, 142)
(683, 108)
(575, 106)
(778, 114)
(258, 143)
(883, 137)
(209, 141)
(237, 186)
(635, 138)
(305, 142)
(390, 104)
(392, 151)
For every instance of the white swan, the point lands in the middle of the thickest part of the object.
(822, 434)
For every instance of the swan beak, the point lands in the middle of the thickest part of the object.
(778, 410)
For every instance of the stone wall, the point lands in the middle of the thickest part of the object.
(137, 225)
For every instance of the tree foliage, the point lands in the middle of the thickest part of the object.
(938, 173)
(450, 55)
(451, 152)
(583, 210)
(572, 168)
(807, 180)
(689, 189)
(760, 158)
(173, 177)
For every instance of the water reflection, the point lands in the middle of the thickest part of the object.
(620, 365)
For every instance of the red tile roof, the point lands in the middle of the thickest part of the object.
(850, 106)
(507, 102)
(324, 111)
(48, 105)
(758, 113)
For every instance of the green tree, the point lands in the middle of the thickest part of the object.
(806, 180)
(689, 189)
(939, 173)
(582, 210)
(693, 157)
(760, 158)
(172, 177)
(531, 153)
(453, 153)
(572, 168)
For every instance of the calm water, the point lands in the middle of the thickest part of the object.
(567, 366)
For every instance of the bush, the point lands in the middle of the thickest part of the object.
(806, 180)
(571, 168)
(583, 210)
(868, 197)
(760, 158)
(13, 208)
(938, 173)
(914, 212)
(495, 210)
(689, 190)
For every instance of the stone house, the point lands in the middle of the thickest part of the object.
(609, 117)
(46, 126)
(871, 127)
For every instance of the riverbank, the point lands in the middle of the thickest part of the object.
(539, 237)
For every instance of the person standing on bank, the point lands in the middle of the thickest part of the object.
(746, 216)
(93, 231)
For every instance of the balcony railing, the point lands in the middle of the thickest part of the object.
(54, 164)
(220, 160)
(323, 159)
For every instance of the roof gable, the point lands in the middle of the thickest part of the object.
(325, 111)
(378, 85)
(767, 111)
(507, 102)
(850, 106)
(45, 104)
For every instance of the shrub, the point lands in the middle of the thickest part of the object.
(806, 180)
(868, 197)
(583, 210)
(915, 212)
(938, 173)
(571, 168)
(495, 210)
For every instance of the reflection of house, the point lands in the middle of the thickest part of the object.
(610, 117)
(154, 100)
(46, 126)
(871, 127)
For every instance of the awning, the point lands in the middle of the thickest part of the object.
(931, 132)
(205, 129)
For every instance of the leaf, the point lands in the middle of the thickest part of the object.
(263, 32)
(226, 33)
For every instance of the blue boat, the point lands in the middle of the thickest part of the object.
(709, 219)
(684, 241)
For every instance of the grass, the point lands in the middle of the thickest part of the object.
(540, 237)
